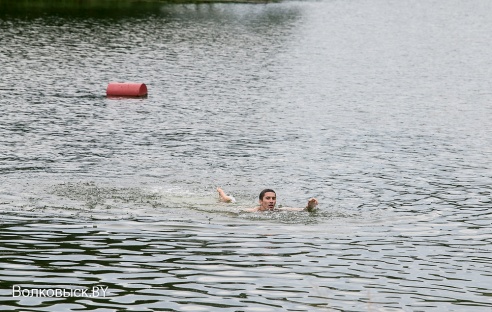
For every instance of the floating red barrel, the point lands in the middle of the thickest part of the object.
(129, 89)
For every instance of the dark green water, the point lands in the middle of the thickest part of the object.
(380, 109)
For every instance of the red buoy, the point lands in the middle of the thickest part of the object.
(126, 89)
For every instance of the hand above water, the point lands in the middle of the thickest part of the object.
(311, 205)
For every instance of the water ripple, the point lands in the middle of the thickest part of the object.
(379, 110)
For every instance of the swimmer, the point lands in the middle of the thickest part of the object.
(268, 200)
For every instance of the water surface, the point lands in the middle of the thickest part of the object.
(380, 109)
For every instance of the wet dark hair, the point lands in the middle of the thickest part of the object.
(262, 194)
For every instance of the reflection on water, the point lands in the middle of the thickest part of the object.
(380, 110)
(180, 265)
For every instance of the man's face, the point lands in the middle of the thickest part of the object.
(269, 201)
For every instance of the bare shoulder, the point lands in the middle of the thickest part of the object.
(255, 209)
(290, 209)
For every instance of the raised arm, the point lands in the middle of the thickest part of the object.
(223, 197)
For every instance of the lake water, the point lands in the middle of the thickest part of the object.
(380, 109)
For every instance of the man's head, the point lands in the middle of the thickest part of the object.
(268, 199)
